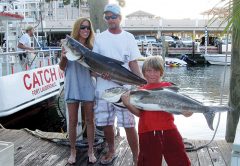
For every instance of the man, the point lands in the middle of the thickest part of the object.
(120, 45)
(24, 43)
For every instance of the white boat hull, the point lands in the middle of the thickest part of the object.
(24, 89)
(218, 59)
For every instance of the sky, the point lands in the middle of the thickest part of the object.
(170, 9)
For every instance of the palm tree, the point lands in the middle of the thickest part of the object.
(96, 12)
(230, 14)
(234, 96)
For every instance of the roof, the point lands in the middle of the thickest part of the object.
(140, 13)
(10, 16)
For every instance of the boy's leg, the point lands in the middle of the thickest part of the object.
(174, 150)
(150, 144)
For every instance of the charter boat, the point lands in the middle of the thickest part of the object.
(29, 81)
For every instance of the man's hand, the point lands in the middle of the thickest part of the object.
(106, 76)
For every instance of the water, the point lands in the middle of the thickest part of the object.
(205, 84)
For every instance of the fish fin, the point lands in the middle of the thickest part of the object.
(209, 115)
(140, 92)
(110, 60)
(171, 88)
(119, 104)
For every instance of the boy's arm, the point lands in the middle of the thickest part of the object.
(126, 101)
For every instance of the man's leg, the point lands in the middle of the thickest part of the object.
(109, 136)
(132, 138)
(104, 116)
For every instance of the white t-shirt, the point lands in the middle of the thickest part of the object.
(122, 47)
(25, 39)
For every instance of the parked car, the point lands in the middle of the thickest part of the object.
(187, 42)
(169, 39)
(178, 41)
(145, 40)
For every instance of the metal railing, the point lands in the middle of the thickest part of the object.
(11, 63)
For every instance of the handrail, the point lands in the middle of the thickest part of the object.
(10, 62)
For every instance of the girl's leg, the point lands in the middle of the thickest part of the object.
(89, 120)
(73, 119)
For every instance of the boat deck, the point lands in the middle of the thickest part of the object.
(31, 150)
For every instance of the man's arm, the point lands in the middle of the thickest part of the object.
(22, 46)
(134, 67)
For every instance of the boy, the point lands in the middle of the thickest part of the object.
(158, 135)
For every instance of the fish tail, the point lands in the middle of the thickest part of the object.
(219, 108)
(209, 115)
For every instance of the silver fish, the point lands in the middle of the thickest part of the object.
(164, 99)
(99, 63)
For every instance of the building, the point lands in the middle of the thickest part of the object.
(54, 19)
(141, 22)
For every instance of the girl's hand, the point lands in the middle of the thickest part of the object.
(63, 53)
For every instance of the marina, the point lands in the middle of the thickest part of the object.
(29, 91)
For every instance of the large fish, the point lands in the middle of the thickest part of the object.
(164, 99)
(99, 63)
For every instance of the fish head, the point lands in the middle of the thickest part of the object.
(113, 95)
(71, 54)
(76, 46)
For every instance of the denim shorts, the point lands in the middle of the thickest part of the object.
(70, 101)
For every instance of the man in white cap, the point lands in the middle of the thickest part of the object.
(24, 43)
(120, 45)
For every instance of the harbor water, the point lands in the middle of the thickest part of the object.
(209, 85)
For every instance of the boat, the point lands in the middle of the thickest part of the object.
(25, 83)
(218, 59)
(169, 62)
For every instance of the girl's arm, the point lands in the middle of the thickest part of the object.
(63, 61)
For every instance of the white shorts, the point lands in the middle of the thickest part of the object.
(105, 114)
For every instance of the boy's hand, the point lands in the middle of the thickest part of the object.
(187, 113)
(126, 98)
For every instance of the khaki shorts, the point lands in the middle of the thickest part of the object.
(105, 114)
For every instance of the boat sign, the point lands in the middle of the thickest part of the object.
(33, 86)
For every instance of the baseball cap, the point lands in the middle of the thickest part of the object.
(29, 28)
(114, 8)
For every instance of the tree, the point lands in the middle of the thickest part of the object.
(96, 13)
(234, 96)
(232, 17)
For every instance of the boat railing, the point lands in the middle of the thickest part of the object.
(10, 62)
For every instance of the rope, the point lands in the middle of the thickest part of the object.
(1, 126)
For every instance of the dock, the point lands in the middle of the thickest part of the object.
(31, 150)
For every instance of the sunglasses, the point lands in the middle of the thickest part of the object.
(113, 17)
(82, 27)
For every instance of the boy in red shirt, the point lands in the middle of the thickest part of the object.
(158, 135)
